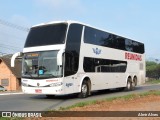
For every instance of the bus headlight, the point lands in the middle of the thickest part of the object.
(24, 84)
(56, 84)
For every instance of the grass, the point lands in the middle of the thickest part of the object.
(126, 97)
(153, 81)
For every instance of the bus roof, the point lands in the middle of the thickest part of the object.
(72, 21)
(57, 22)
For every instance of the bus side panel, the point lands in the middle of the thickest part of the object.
(101, 81)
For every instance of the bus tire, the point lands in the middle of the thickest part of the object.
(134, 83)
(84, 90)
(135, 80)
(129, 85)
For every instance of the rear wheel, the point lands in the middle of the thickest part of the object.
(135, 80)
(133, 85)
(84, 90)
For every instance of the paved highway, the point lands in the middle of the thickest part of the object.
(25, 102)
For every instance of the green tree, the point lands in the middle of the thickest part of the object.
(152, 69)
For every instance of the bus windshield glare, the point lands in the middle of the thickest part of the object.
(46, 35)
(41, 65)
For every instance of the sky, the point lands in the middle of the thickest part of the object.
(135, 19)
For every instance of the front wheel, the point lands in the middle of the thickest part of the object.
(84, 90)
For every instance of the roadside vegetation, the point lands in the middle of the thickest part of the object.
(125, 98)
(153, 81)
(152, 70)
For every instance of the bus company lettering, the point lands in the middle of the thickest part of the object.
(51, 80)
(132, 56)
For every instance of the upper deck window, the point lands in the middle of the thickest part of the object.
(46, 35)
(106, 39)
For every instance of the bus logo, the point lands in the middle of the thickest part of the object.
(69, 84)
(96, 51)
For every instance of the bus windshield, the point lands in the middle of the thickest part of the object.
(41, 65)
(46, 35)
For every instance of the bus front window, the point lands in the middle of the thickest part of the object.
(41, 65)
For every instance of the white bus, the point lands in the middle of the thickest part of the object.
(66, 57)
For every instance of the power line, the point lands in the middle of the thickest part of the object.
(10, 49)
(6, 47)
(10, 46)
(3, 22)
(9, 35)
(2, 53)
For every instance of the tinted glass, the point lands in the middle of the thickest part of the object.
(101, 38)
(134, 46)
(73, 49)
(103, 65)
(46, 35)
(97, 37)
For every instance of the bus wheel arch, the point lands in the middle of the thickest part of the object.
(85, 88)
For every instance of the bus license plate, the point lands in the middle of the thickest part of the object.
(38, 90)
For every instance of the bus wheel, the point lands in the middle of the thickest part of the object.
(135, 80)
(134, 83)
(84, 90)
(129, 85)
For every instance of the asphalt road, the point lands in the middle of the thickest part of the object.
(25, 102)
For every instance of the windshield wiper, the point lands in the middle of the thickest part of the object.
(27, 73)
(51, 75)
(47, 75)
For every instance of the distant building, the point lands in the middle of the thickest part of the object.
(10, 77)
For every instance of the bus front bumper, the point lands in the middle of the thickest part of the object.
(43, 90)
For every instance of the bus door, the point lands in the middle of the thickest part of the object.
(69, 72)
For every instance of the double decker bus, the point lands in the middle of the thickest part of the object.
(66, 57)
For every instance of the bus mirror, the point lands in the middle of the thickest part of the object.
(18, 54)
(59, 57)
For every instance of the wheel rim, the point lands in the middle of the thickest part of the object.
(84, 89)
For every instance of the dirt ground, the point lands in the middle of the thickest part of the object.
(149, 103)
